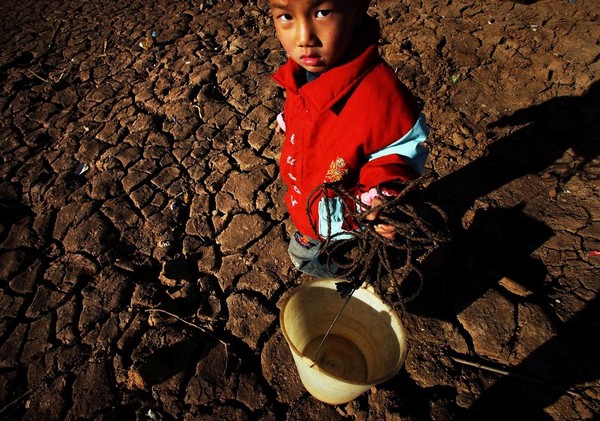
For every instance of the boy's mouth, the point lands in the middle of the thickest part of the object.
(310, 59)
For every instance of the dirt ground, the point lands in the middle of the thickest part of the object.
(143, 235)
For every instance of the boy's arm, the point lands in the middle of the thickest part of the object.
(403, 159)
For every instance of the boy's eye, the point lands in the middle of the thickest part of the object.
(285, 17)
(323, 13)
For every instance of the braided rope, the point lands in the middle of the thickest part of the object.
(366, 257)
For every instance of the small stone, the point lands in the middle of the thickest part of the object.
(458, 139)
(515, 287)
(135, 380)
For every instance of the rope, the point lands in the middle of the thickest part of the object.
(366, 257)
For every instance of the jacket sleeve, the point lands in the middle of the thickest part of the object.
(403, 159)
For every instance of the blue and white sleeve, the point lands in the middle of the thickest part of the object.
(410, 146)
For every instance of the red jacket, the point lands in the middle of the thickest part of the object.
(333, 125)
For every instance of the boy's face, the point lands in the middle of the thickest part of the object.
(316, 33)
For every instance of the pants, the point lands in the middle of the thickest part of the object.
(306, 257)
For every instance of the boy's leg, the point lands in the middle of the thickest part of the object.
(304, 253)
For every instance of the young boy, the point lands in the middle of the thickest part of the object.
(346, 119)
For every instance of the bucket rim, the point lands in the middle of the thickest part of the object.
(305, 358)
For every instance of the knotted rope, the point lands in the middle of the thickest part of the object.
(366, 257)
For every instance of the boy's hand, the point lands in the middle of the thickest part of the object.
(385, 230)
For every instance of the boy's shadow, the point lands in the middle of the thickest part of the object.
(499, 242)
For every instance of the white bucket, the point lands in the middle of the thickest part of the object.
(366, 346)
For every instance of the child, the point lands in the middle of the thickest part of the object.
(346, 119)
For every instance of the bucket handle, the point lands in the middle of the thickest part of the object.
(349, 295)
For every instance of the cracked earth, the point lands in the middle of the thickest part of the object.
(143, 234)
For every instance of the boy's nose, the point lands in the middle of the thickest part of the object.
(306, 35)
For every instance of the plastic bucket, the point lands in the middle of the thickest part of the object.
(366, 346)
